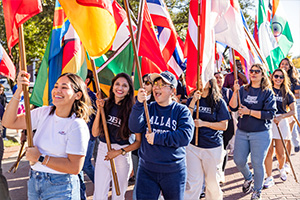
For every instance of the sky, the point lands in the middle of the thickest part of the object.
(292, 12)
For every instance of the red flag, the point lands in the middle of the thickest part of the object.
(17, 12)
(7, 67)
(105, 4)
(149, 46)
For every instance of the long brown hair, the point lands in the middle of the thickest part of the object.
(81, 107)
(125, 106)
(292, 72)
(214, 94)
(284, 87)
(265, 82)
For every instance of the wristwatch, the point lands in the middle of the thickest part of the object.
(41, 158)
(123, 152)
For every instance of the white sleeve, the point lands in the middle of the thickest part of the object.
(37, 115)
(78, 138)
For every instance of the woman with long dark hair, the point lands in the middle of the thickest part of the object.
(284, 97)
(117, 109)
(206, 157)
(61, 137)
(257, 109)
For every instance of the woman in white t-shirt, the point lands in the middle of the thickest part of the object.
(61, 137)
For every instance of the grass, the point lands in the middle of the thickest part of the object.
(10, 143)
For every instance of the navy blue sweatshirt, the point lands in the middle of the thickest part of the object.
(289, 99)
(256, 99)
(173, 126)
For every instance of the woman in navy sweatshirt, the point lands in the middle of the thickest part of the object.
(162, 165)
(206, 157)
(284, 97)
(257, 109)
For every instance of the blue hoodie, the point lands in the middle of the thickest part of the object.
(173, 126)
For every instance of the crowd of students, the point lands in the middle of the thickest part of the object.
(181, 155)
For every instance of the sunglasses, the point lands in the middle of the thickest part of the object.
(255, 71)
(147, 82)
(278, 76)
(161, 85)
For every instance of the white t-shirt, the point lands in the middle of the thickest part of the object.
(57, 137)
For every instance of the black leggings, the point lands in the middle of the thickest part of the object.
(227, 135)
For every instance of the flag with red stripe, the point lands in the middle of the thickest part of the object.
(7, 68)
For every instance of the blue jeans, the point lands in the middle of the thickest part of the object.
(88, 168)
(149, 184)
(256, 143)
(43, 185)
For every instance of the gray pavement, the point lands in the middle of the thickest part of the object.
(288, 190)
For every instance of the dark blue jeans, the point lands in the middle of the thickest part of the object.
(88, 167)
(149, 184)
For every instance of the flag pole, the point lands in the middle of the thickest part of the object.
(112, 162)
(24, 87)
(287, 153)
(235, 76)
(198, 67)
(137, 62)
(257, 49)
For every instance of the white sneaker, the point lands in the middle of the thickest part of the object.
(287, 168)
(283, 174)
(5, 139)
(269, 182)
(222, 178)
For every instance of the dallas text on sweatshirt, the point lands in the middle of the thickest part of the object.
(173, 126)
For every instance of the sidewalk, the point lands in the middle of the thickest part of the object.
(288, 190)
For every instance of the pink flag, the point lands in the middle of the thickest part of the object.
(7, 67)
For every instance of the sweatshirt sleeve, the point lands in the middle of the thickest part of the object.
(137, 121)
(182, 136)
(269, 108)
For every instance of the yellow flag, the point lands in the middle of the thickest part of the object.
(95, 26)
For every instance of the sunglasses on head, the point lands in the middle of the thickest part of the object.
(147, 82)
(255, 71)
(278, 76)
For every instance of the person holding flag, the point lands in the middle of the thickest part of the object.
(162, 166)
(258, 106)
(61, 137)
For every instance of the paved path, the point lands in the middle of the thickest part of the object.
(288, 190)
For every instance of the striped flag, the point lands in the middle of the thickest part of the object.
(7, 67)
(64, 53)
(17, 12)
(167, 36)
(207, 44)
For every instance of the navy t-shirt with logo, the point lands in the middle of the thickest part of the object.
(210, 138)
(279, 100)
(113, 126)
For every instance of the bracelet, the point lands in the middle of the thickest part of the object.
(249, 112)
(191, 108)
(47, 161)
(16, 98)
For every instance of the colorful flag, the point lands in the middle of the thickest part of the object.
(267, 43)
(64, 53)
(281, 29)
(230, 30)
(207, 44)
(7, 67)
(167, 36)
(148, 45)
(17, 12)
(93, 22)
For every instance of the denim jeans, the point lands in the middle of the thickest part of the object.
(256, 143)
(43, 185)
(149, 184)
(88, 168)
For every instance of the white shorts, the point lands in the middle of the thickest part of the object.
(284, 129)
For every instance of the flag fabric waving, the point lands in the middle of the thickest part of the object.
(207, 44)
(148, 45)
(267, 42)
(281, 28)
(17, 12)
(90, 19)
(7, 67)
(167, 36)
(64, 53)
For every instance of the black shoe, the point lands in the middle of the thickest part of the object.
(247, 185)
(297, 149)
(202, 195)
